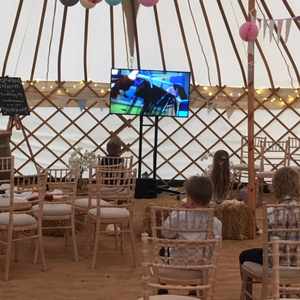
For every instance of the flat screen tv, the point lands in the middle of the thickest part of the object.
(149, 92)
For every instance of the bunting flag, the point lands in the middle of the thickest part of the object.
(81, 104)
(265, 26)
(280, 24)
(259, 24)
(279, 29)
(230, 111)
(271, 29)
(287, 29)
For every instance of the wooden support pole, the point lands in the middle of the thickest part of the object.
(251, 96)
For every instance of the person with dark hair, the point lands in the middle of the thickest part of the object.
(114, 151)
(220, 175)
(286, 186)
(199, 190)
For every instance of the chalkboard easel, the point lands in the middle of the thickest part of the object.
(13, 103)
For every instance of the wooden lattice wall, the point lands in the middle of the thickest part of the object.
(218, 120)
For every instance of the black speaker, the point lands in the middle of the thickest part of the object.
(145, 188)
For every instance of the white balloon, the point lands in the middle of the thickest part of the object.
(87, 3)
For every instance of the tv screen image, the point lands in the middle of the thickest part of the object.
(149, 92)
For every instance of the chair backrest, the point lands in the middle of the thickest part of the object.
(7, 169)
(65, 180)
(35, 206)
(169, 222)
(122, 161)
(14, 207)
(259, 144)
(26, 182)
(7, 174)
(282, 222)
(110, 163)
(275, 155)
(286, 259)
(293, 152)
(188, 265)
(117, 186)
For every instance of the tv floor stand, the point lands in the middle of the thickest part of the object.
(165, 187)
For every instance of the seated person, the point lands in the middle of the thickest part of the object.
(199, 191)
(286, 185)
(114, 151)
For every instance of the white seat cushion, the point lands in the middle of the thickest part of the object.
(5, 202)
(179, 275)
(170, 297)
(244, 167)
(266, 174)
(253, 268)
(58, 209)
(108, 213)
(257, 270)
(18, 219)
(55, 192)
(84, 202)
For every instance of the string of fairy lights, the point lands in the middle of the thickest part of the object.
(210, 93)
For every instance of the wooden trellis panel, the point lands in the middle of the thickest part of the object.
(71, 114)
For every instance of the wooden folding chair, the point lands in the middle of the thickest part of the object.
(274, 156)
(60, 212)
(173, 222)
(241, 169)
(285, 268)
(281, 221)
(189, 268)
(117, 209)
(108, 163)
(21, 223)
(293, 152)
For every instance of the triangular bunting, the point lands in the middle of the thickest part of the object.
(259, 24)
(81, 104)
(287, 29)
(279, 29)
(265, 27)
(271, 29)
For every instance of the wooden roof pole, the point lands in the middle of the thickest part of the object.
(251, 95)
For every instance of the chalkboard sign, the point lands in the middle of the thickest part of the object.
(12, 97)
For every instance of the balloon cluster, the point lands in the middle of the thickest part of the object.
(92, 3)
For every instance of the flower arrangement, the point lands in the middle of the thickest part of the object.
(82, 160)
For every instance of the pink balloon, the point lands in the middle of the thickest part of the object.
(95, 1)
(148, 2)
(249, 31)
(87, 3)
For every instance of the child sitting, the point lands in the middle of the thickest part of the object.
(199, 191)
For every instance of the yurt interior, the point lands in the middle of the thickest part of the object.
(150, 149)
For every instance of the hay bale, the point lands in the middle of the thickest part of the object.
(236, 218)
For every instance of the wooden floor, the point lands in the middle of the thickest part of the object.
(114, 278)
